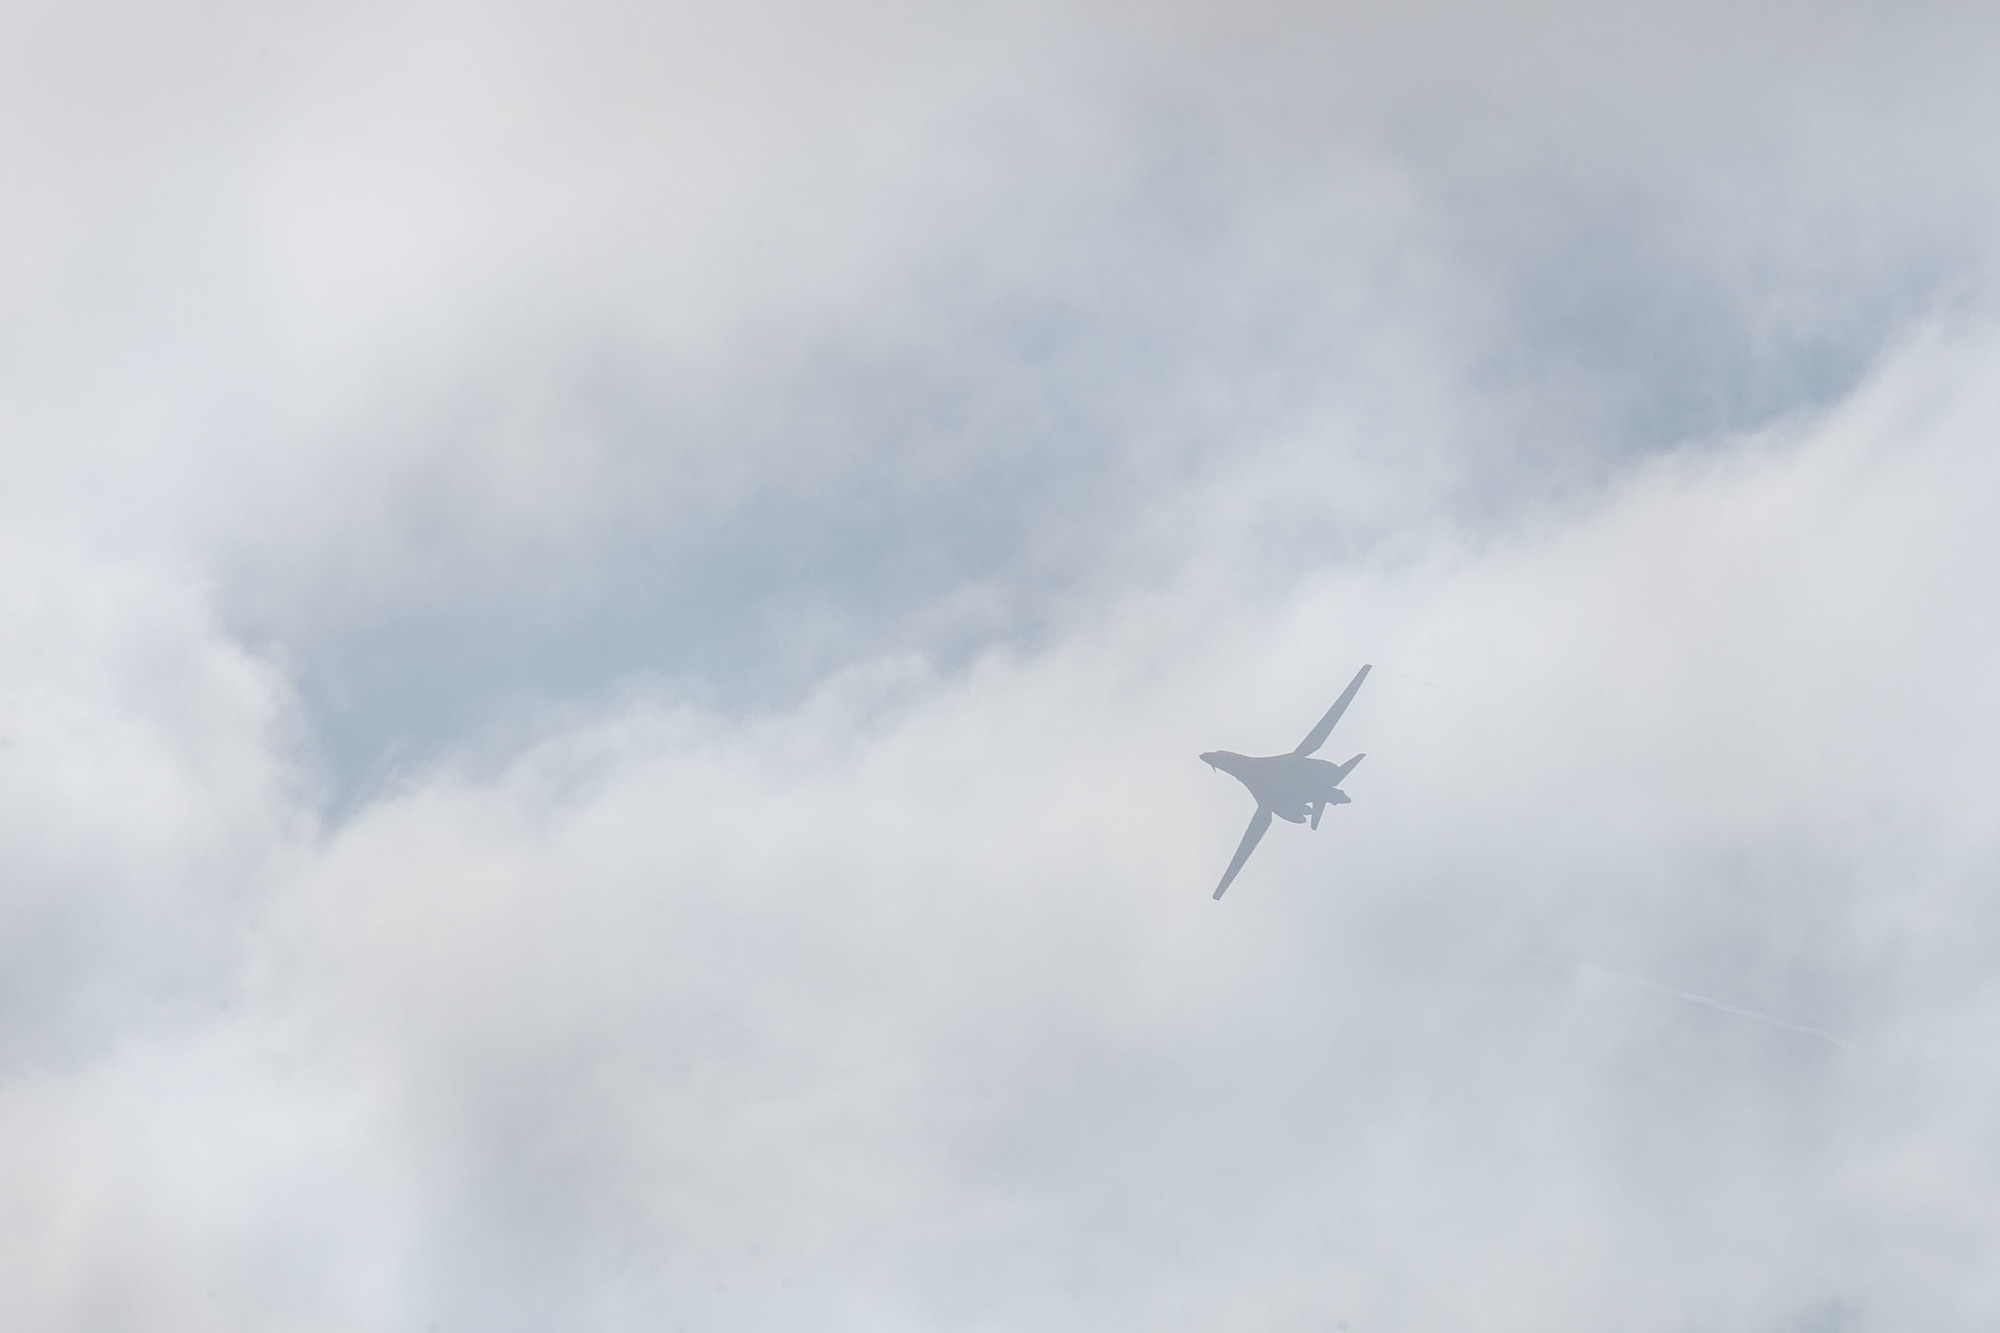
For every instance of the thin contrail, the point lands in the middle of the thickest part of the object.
(1417, 680)
(1723, 1005)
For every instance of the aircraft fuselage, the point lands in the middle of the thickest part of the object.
(1288, 785)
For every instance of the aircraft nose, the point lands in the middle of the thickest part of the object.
(1208, 757)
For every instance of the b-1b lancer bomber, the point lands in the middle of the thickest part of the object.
(1295, 787)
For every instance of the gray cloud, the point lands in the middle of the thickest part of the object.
(609, 615)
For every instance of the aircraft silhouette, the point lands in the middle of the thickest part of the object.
(1294, 786)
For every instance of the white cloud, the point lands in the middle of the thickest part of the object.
(913, 998)
(148, 791)
(859, 459)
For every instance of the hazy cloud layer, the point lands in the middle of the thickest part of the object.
(608, 614)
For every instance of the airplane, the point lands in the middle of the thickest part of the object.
(1294, 786)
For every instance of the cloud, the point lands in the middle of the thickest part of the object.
(751, 518)
(150, 788)
(508, 320)
(908, 1005)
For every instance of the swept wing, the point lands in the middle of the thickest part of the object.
(1317, 736)
(1258, 823)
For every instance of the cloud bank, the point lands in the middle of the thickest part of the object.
(609, 614)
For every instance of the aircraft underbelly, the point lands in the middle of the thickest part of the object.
(1291, 785)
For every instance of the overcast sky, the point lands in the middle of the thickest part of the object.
(606, 612)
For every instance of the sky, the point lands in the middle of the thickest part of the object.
(607, 611)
